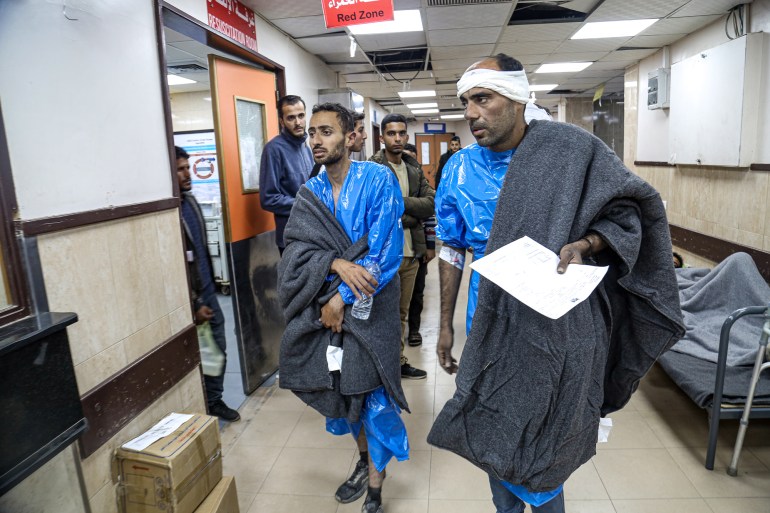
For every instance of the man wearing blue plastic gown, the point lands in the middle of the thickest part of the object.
(366, 201)
(466, 201)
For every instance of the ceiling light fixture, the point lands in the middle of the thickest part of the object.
(416, 94)
(542, 87)
(453, 116)
(353, 46)
(623, 28)
(177, 80)
(563, 67)
(403, 21)
(425, 111)
(429, 105)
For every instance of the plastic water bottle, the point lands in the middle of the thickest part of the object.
(363, 307)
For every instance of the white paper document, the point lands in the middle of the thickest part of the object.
(527, 271)
(163, 428)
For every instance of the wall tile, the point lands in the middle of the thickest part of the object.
(752, 240)
(100, 367)
(172, 260)
(147, 339)
(105, 500)
(180, 318)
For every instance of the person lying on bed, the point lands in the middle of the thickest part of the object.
(343, 219)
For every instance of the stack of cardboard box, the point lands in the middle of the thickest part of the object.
(175, 467)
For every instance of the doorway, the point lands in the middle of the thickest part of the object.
(430, 147)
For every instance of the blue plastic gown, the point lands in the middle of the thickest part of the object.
(465, 205)
(370, 203)
(385, 431)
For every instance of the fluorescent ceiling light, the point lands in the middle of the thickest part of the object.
(453, 116)
(425, 111)
(542, 87)
(177, 80)
(403, 21)
(624, 28)
(416, 94)
(563, 67)
(429, 105)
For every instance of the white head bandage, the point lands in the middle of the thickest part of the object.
(511, 84)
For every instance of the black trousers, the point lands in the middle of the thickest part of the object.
(415, 306)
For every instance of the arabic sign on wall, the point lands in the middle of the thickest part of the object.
(341, 13)
(235, 20)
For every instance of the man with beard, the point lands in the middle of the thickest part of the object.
(454, 147)
(358, 145)
(286, 164)
(204, 294)
(530, 389)
(344, 367)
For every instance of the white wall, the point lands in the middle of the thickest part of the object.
(191, 111)
(83, 115)
(760, 21)
(305, 73)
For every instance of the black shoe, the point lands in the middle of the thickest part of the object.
(371, 506)
(409, 372)
(224, 412)
(415, 339)
(356, 484)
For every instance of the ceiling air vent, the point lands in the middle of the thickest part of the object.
(528, 13)
(179, 69)
(563, 91)
(400, 60)
(448, 3)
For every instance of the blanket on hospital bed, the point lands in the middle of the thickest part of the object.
(709, 296)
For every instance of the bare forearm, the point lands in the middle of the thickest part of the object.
(449, 278)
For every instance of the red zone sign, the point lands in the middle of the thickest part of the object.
(341, 13)
(235, 20)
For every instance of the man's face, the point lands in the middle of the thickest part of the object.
(327, 139)
(491, 116)
(293, 119)
(454, 146)
(183, 174)
(394, 137)
(360, 136)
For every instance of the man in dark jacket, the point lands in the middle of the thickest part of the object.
(418, 205)
(286, 164)
(203, 291)
(454, 147)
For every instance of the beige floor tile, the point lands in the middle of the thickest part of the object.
(417, 427)
(696, 456)
(273, 503)
(409, 479)
(269, 428)
(303, 471)
(630, 431)
(420, 399)
(389, 505)
(460, 506)
(585, 485)
(442, 378)
(245, 500)
(443, 394)
(679, 428)
(230, 432)
(250, 466)
(452, 477)
(588, 506)
(310, 431)
(642, 474)
(657, 392)
(716, 483)
(739, 505)
(761, 453)
(662, 506)
(283, 400)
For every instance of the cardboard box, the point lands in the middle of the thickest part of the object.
(222, 499)
(173, 474)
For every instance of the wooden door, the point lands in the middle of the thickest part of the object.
(429, 150)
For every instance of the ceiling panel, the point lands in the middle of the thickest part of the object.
(678, 25)
(654, 41)
(629, 55)
(612, 10)
(540, 32)
(374, 42)
(576, 57)
(704, 7)
(606, 44)
(468, 16)
(173, 36)
(175, 55)
(454, 63)
(447, 52)
(272, 10)
(528, 47)
(463, 36)
(304, 26)
(326, 44)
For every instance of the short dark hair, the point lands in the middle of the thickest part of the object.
(180, 153)
(289, 99)
(344, 116)
(358, 116)
(455, 138)
(392, 118)
(681, 260)
(507, 63)
(410, 147)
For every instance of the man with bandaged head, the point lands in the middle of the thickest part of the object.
(530, 389)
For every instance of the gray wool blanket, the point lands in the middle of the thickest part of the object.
(314, 238)
(709, 296)
(531, 390)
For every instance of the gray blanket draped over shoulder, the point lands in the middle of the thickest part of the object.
(314, 238)
(531, 390)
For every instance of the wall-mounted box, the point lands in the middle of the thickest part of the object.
(658, 89)
(714, 111)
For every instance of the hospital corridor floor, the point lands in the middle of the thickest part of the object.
(284, 461)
